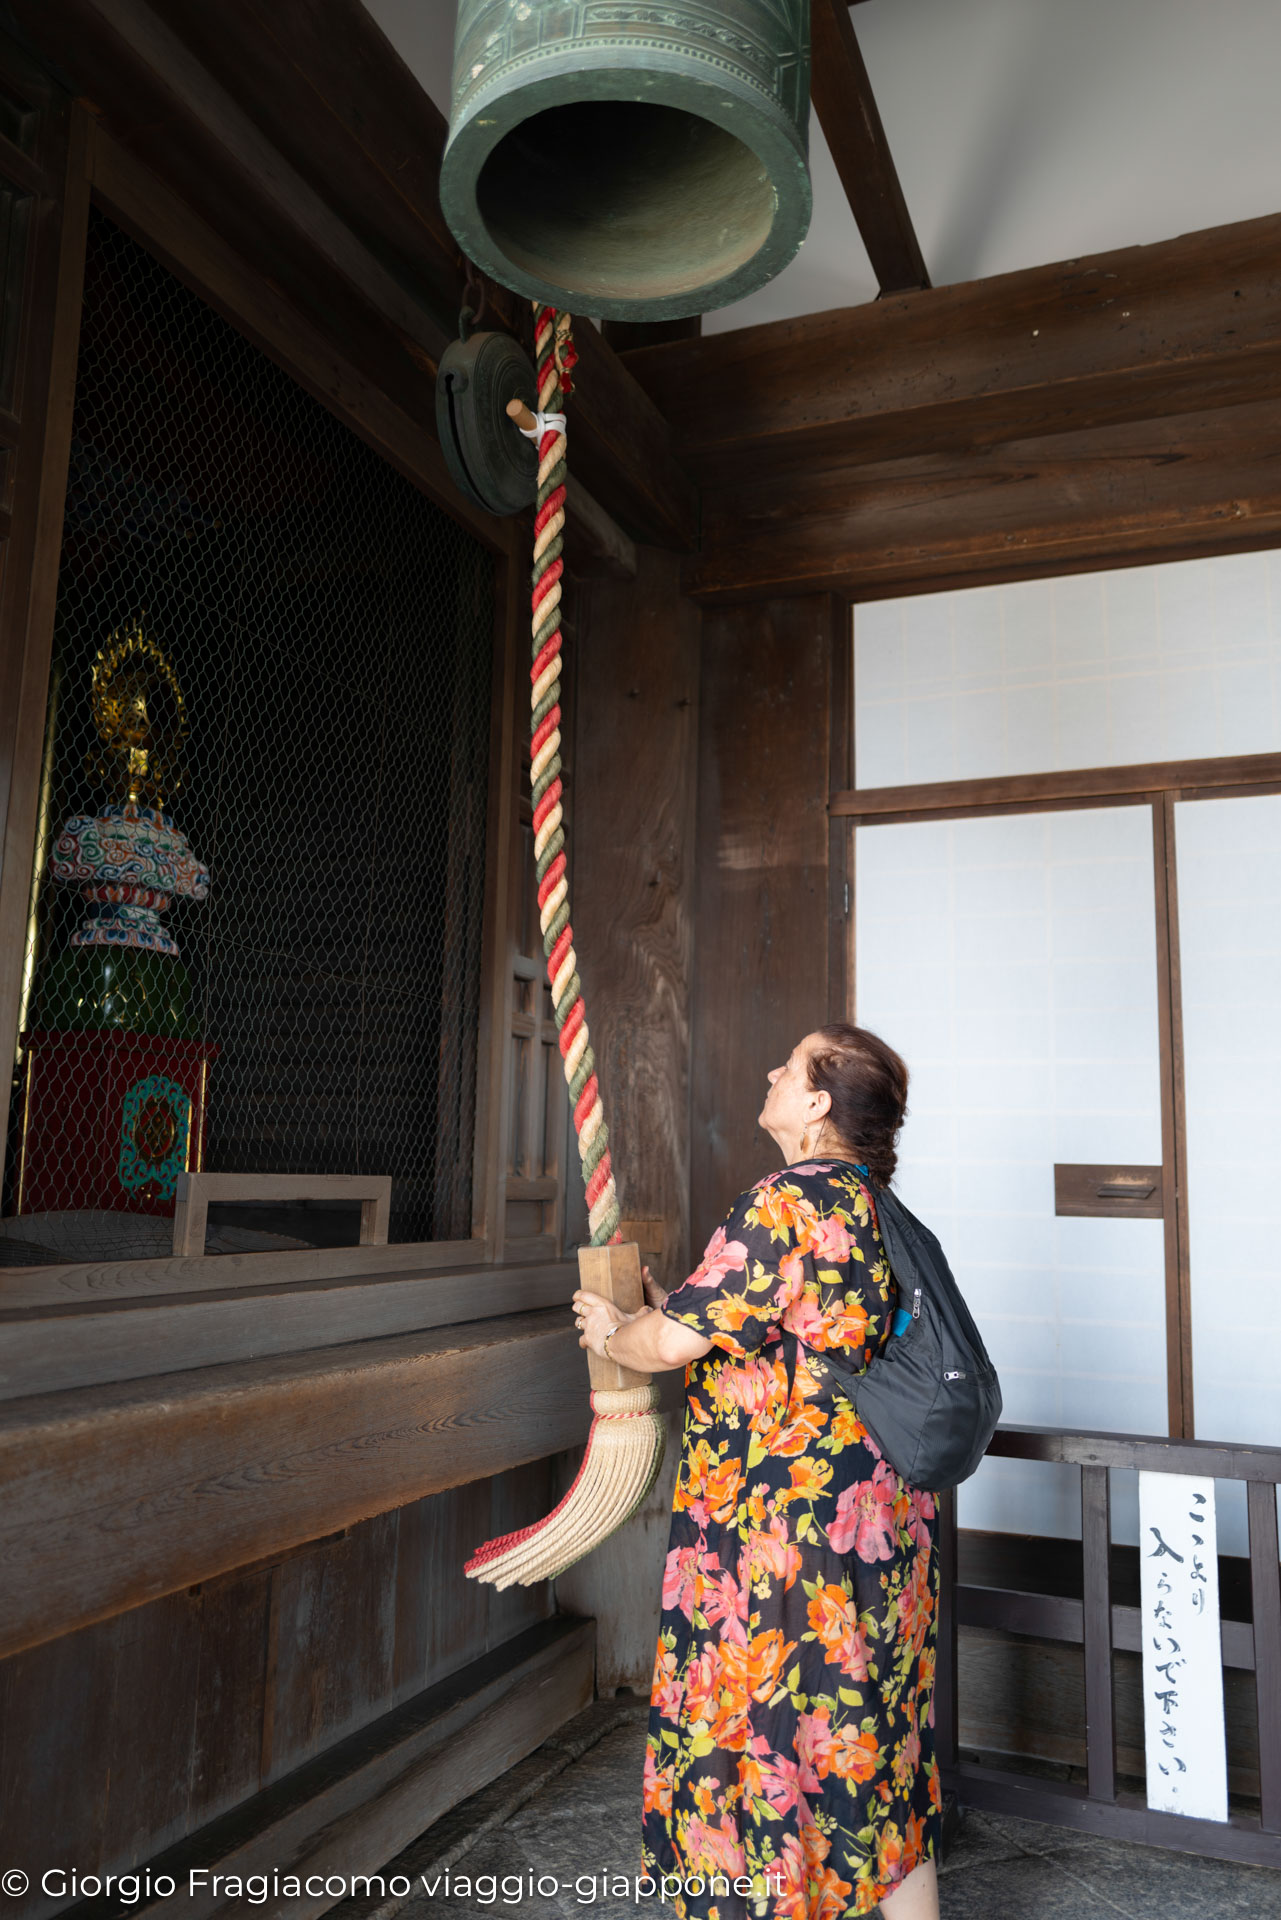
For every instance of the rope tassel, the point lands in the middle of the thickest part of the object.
(624, 1453)
(625, 1444)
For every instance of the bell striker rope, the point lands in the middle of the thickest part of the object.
(625, 1445)
(555, 357)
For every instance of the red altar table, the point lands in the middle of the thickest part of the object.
(110, 1120)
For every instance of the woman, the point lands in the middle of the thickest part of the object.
(790, 1742)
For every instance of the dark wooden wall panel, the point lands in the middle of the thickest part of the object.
(335, 1621)
(761, 930)
(230, 1688)
(436, 1605)
(632, 858)
(632, 874)
(125, 1737)
(517, 1498)
(148, 1751)
(56, 1713)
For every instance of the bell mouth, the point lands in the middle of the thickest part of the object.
(637, 192)
(624, 201)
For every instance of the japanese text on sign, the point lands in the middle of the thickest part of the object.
(1187, 1768)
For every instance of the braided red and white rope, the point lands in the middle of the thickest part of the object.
(625, 1444)
(555, 356)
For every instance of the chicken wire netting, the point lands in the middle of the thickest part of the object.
(255, 936)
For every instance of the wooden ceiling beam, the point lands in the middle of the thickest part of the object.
(851, 123)
(1174, 327)
(1118, 495)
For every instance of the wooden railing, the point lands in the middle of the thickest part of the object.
(1100, 1627)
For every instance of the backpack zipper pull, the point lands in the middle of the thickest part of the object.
(916, 1304)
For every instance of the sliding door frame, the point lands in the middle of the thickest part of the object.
(1159, 786)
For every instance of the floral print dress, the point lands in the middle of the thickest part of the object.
(790, 1765)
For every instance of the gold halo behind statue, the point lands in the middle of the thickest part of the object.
(141, 719)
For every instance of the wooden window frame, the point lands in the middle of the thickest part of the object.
(90, 167)
(1157, 785)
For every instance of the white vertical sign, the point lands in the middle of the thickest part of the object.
(1187, 1764)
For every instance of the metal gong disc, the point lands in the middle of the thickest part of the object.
(491, 461)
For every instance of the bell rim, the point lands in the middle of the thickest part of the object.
(764, 129)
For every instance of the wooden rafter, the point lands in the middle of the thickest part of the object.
(851, 123)
(1175, 327)
(1173, 487)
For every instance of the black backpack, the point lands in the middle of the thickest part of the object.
(930, 1398)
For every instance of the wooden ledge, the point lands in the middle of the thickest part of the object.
(55, 1345)
(100, 1281)
(122, 1493)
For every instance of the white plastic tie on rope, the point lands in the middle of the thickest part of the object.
(542, 421)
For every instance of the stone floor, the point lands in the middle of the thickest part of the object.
(566, 1819)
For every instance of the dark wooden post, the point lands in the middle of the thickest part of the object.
(946, 1716)
(1265, 1607)
(1096, 1558)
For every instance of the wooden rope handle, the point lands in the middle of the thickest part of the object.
(614, 1272)
(519, 412)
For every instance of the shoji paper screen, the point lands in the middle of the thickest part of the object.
(1012, 961)
(1229, 854)
(1093, 670)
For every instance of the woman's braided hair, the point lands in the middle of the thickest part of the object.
(867, 1083)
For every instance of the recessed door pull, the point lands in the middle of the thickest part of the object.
(1104, 1189)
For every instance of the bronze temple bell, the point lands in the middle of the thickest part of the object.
(629, 161)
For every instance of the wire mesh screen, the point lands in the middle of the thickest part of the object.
(256, 912)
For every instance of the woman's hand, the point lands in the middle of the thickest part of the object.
(654, 1294)
(595, 1315)
(646, 1342)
